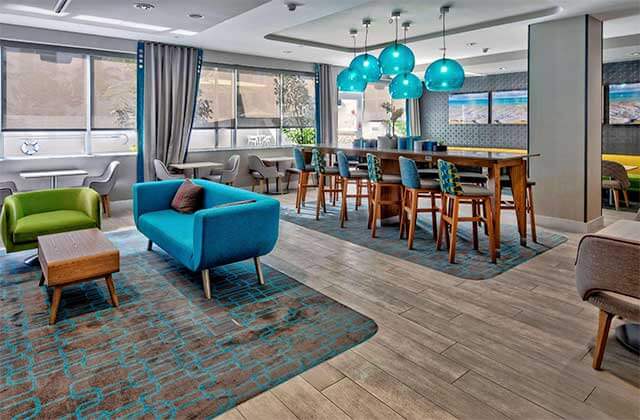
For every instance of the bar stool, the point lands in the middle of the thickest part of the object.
(347, 176)
(453, 194)
(378, 184)
(505, 180)
(414, 189)
(324, 173)
(304, 171)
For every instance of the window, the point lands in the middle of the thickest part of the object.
(258, 97)
(113, 93)
(298, 104)
(214, 108)
(349, 117)
(43, 90)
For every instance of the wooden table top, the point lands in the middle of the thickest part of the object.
(196, 165)
(45, 174)
(62, 248)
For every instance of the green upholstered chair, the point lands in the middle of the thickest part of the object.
(27, 215)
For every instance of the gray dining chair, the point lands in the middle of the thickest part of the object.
(616, 180)
(229, 174)
(162, 173)
(103, 185)
(263, 173)
(6, 189)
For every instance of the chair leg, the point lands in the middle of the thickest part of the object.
(625, 194)
(434, 218)
(343, 204)
(532, 214)
(412, 219)
(492, 237)
(299, 193)
(288, 180)
(403, 218)
(616, 199)
(376, 209)
(256, 262)
(358, 193)
(320, 197)
(370, 193)
(604, 323)
(443, 222)
(475, 213)
(206, 283)
(454, 230)
(149, 245)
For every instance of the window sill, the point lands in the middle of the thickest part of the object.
(69, 156)
(232, 149)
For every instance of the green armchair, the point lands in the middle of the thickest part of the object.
(27, 215)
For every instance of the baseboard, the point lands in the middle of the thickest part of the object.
(567, 225)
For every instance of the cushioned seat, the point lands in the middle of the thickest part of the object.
(179, 238)
(615, 303)
(472, 177)
(28, 228)
(428, 173)
(472, 190)
(391, 179)
(611, 183)
(428, 184)
(358, 174)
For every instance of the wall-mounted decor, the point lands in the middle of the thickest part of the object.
(509, 107)
(469, 108)
(624, 104)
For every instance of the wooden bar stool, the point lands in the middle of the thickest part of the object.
(505, 180)
(380, 185)
(414, 189)
(324, 173)
(347, 175)
(304, 171)
(454, 194)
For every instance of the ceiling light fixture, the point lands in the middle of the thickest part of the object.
(33, 9)
(502, 68)
(635, 54)
(60, 6)
(397, 58)
(287, 52)
(444, 74)
(406, 85)
(195, 16)
(471, 44)
(144, 6)
(366, 64)
(350, 80)
(183, 32)
(118, 22)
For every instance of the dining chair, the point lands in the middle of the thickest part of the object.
(324, 173)
(103, 185)
(505, 181)
(304, 171)
(617, 181)
(229, 174)
(6, 189)
(162, 173)
(263, 173)
(454, 193)
(414, 189)
(347, 176)
(382, 187)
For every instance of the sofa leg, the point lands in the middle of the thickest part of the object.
(149, 245)
(206, 284)
(256, 261)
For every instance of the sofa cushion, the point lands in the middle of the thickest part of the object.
(28, 228)
(188, 198)
(171, 231)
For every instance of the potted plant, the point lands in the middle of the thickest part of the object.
(393, 115)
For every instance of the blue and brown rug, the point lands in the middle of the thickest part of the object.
(470, 264)
(166, 351)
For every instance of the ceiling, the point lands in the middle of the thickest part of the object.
(318, 30)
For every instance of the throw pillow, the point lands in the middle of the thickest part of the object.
(188, 198)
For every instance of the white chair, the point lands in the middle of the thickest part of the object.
(162, 173)
(263, 173)
(6, 189)
(103, 184)
(229, 174)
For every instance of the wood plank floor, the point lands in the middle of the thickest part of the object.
(516, 346)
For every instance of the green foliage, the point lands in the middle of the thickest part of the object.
(300, 135)
(393, 115)
(298, 106)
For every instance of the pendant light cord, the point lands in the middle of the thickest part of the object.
(366, 37)
(396, 19)
(444, 43)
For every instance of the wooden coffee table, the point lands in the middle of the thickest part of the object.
(74, 257)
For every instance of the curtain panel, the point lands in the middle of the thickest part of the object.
(168, 77)
(327, 100)
(413, 118)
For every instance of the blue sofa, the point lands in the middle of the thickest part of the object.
(218, 234)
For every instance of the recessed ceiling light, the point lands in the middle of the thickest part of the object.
(471, 44)
(33, 9)
(635, 54)
(118, 22)
(195, 16)
(502, 68)
(184, 32)
(287, 52)
(144, 6)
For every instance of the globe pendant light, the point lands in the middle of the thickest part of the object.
(350, 80)
(405, 85)
(444, 74)
(396, 58)
(367, 65)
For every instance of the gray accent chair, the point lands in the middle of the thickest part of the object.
(162, 173)
(607, 267)
(6, 189)
(263, 173)
(229, 174)
(618, 181)
(104, 184)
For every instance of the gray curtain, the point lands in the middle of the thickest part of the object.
(328, 101)
(171, 75)
(413, 117)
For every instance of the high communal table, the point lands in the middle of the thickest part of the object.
(515, 164)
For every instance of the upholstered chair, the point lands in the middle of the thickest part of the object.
(263, 173)
(385, 190)
(353, 176)
(6, 189)
(617, 181)
(229, 174)
(162, 173)
(454, 193)
(414, 189)
(304, 171)
(325, 174)
(104, 184)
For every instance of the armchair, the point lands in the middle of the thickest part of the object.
(234, 225)
(6, 189)
(27, 215)
(162, 173)
(103, 184)
(263, 173)
(229, 174)
(616, 180)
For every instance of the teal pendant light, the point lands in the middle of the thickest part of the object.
(366, 64)
(349, 80)
(397, 58)
(444, 74)
(405, 86)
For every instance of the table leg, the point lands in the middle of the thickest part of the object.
(55, 302)
(494, 186)
(112, 290)
(54, 182)
(518, 189)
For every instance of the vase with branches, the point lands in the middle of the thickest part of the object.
(393, 115)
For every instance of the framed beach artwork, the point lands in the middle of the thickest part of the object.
(509, 107)
(624, 104)
(469, 108)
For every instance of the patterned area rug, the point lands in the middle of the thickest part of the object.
(166, 351)
(470, 264)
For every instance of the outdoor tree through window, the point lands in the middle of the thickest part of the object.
(114, 93)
